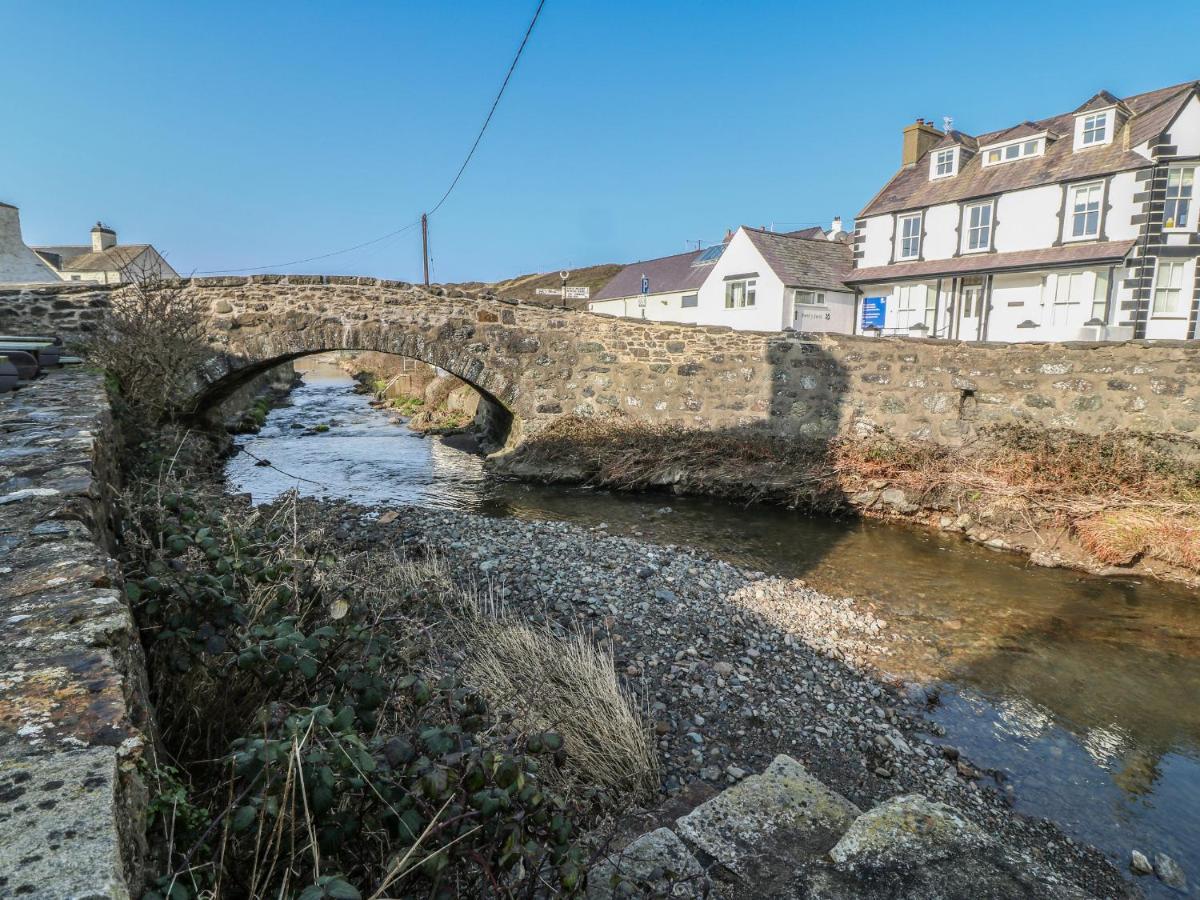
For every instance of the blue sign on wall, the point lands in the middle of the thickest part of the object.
(645, 285)
(874, 312)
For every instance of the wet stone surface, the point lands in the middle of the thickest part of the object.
(71, 675)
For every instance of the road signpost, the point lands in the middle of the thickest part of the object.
(565, 293)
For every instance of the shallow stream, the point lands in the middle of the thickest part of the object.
(1084, 691)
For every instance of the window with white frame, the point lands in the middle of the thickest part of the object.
(1178, 208)
(1010, 152)
(1100, 297)
(809, 298)
(1168, 289)
(909, 237)
(979, 226)
(910, 297)
(943, 163)
(1095, 129)
(740, 294)
(1070, 289)
(1084, 201)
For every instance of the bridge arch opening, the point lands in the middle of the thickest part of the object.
(494, 423)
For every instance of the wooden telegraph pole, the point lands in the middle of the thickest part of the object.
(425, 244)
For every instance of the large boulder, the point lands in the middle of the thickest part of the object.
(768, 827)
(657, 863)
(904, 833)
(912, 848)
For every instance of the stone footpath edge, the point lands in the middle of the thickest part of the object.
(73, 699)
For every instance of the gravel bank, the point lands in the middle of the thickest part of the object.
(736, 667)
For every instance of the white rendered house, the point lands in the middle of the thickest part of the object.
(1082, 226)
(757, 280)
(105, 261)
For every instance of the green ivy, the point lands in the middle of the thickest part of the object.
(331, 733)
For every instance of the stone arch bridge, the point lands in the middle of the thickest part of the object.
(538, 363)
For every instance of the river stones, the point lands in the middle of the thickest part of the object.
(1169, 872)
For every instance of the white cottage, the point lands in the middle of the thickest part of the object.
(756, 280)
(1082, 226)
(105, 261)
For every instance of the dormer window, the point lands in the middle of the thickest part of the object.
(1093, 129)
(944, 163)
(1014, 150)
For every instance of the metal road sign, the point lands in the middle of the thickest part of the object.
(576, 293)
(548, 292)
(645, 285)
(874, 312)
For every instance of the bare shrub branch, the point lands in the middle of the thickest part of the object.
(150, 341)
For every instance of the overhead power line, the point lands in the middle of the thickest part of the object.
(491, 112)
(453, 184)
(297, 262)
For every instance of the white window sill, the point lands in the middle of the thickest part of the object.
(1081, 238)
(966, 250)
(1164, 317)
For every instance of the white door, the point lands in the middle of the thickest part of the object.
(970, 309)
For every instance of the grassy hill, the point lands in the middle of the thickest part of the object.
(524, 287)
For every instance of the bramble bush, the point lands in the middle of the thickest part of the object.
(323, 760)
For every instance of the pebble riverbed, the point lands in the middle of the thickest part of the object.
(734, 666)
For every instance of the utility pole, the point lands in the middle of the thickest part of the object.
(425, 244)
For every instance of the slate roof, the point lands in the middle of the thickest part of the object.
(815, 231)
(666, 274)
(1071, 254)
(1150, 114)
(810, 262)
(80, 258)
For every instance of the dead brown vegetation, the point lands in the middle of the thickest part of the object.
(1126, 494)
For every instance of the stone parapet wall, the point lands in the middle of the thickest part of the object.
(543, 362)
(73, 708)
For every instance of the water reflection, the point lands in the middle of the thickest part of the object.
(1085, 690)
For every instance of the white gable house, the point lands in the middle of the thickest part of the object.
(105, 261)
(757, 280)
(766, 281)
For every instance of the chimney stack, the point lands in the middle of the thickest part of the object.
(103, 238)
(836, 231)
(918, 139)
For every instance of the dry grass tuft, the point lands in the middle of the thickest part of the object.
(1119, 537)
(569, 686)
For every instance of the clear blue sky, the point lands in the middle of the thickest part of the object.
(248, 134)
